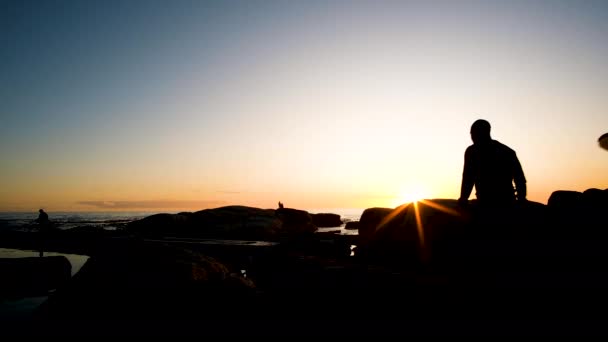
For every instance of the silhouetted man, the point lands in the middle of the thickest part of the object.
(492, 168)
(43, 218)
(43, 229)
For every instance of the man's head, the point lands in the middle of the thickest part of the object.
(40, 211)
(480, 131)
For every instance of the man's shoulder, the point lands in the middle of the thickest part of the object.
(470, 150)
(502, 146)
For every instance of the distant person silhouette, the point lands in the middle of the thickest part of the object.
(43, 218)
(492, 168)
(280, 205)
(44, 225)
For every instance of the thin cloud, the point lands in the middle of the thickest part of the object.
(152, 204)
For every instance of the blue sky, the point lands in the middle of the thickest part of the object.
(322, 103)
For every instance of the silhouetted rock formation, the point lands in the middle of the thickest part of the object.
(295, 221)
(564, 200)
(231, 222)
(147, 282)
(326, 220)
(410, 234)
(352, 225)
(580, 214)
(369, 221)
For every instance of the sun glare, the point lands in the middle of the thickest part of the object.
(409, 194)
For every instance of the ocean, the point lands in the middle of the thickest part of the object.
(24, 221)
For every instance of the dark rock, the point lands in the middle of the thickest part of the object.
(161, 224)
(293, 216)
(238, 222)
(439, 231)
(35, 276)
(326, 220)
(150, 281)
(595, 198)
(369, 221)
(564, 200)
(352, 225)
(295, 221)
(419, 232)
(583, 213)
(231, 222)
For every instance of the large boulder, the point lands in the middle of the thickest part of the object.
(295, 221)
(564, 200)
(369, 222)
(580, 214)
(230, 222)
(596, 199)
(162, 224)
(418, 232)
(352, 225)
(238, 222)
(326, 220)
(440, 231)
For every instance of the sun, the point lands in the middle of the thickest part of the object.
(410, 193)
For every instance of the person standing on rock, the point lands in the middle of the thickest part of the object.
(44, 225)
(492, 168)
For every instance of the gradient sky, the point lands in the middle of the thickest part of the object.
(184, 105)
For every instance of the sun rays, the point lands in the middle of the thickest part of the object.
(419, 209)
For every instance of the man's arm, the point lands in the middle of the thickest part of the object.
(519, 179)
(467, 178)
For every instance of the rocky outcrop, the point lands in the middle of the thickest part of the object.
(593, 199)
(236, 222)
(369, 221)
(162, 224)
(295, 221)
(231, 222)
(411, 233)
(326, 220)
(581, 213)
(564, 200)
(352, 225)
(441, 232)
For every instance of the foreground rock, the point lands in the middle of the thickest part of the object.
(326, 220)
(568, 235)
(412, 233)
(137, 281)
(35, 276)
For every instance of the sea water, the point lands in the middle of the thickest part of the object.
(25, 221)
